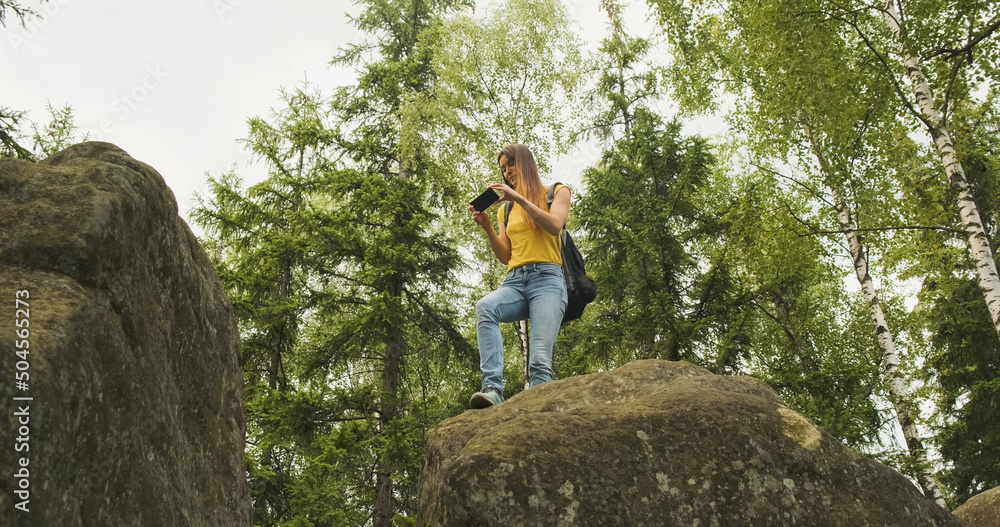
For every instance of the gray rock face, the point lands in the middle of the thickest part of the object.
(656, 443)
(982, 510)
(135, 414)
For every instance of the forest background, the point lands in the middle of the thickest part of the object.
(838, 243)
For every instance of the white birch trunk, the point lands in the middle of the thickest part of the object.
(521, 327)
(979, 243)
(890, 359)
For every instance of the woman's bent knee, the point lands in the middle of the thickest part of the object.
(485, 310)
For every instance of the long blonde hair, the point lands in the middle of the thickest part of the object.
(529, 185)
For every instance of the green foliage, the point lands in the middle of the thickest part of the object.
(963, 357)
(511, 76)
(354, 300)
(11, 120)
(966, 366)
(339, 275)
(645, 214)
(61, 131)
(818, 89)
(15, 7)
(10, 133)
(977, 127)
(264, 243)
(624, 82)
(805, 336)
(691, 265)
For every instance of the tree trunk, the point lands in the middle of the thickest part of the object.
(979, 243)
(394, 344)
(382, 514)
(890, 359)
(649, 346)
(803, 349)
(521, 328)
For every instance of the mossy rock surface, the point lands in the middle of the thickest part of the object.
(656, 443)
(136, 410)
(982, 510)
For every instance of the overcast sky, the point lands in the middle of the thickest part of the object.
(173, 83)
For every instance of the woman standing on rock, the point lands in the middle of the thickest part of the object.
(528, 243)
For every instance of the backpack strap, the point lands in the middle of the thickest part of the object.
(509, 205)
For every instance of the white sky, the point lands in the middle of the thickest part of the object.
(173, 83)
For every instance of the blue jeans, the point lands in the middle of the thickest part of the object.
(536, 292)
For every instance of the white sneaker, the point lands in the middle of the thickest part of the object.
(486, 398)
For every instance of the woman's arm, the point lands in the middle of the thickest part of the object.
(552, 221)
(500, 243)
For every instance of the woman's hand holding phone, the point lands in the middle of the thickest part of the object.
(508, 193)
(479, 205)
(481, 217)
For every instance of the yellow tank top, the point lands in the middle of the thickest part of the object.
(529, 245)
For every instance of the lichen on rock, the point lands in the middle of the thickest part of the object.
(656, 443)
(136, 415)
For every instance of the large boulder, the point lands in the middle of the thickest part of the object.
(656, 443)
(982, 510)
(131, 411)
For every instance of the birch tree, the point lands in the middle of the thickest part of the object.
(959, 48)
(805, 334)
(963, 360)
(780, 63)
(954, 42)
(511, 75)
(906, 412)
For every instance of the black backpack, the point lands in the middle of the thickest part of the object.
(580, 288)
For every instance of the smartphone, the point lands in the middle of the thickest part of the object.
(485, 200)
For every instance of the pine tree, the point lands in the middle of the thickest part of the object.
(10, 126)
(59, 133)
(11, 120)
(643, 213)
(384, 247)
(263, 241)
